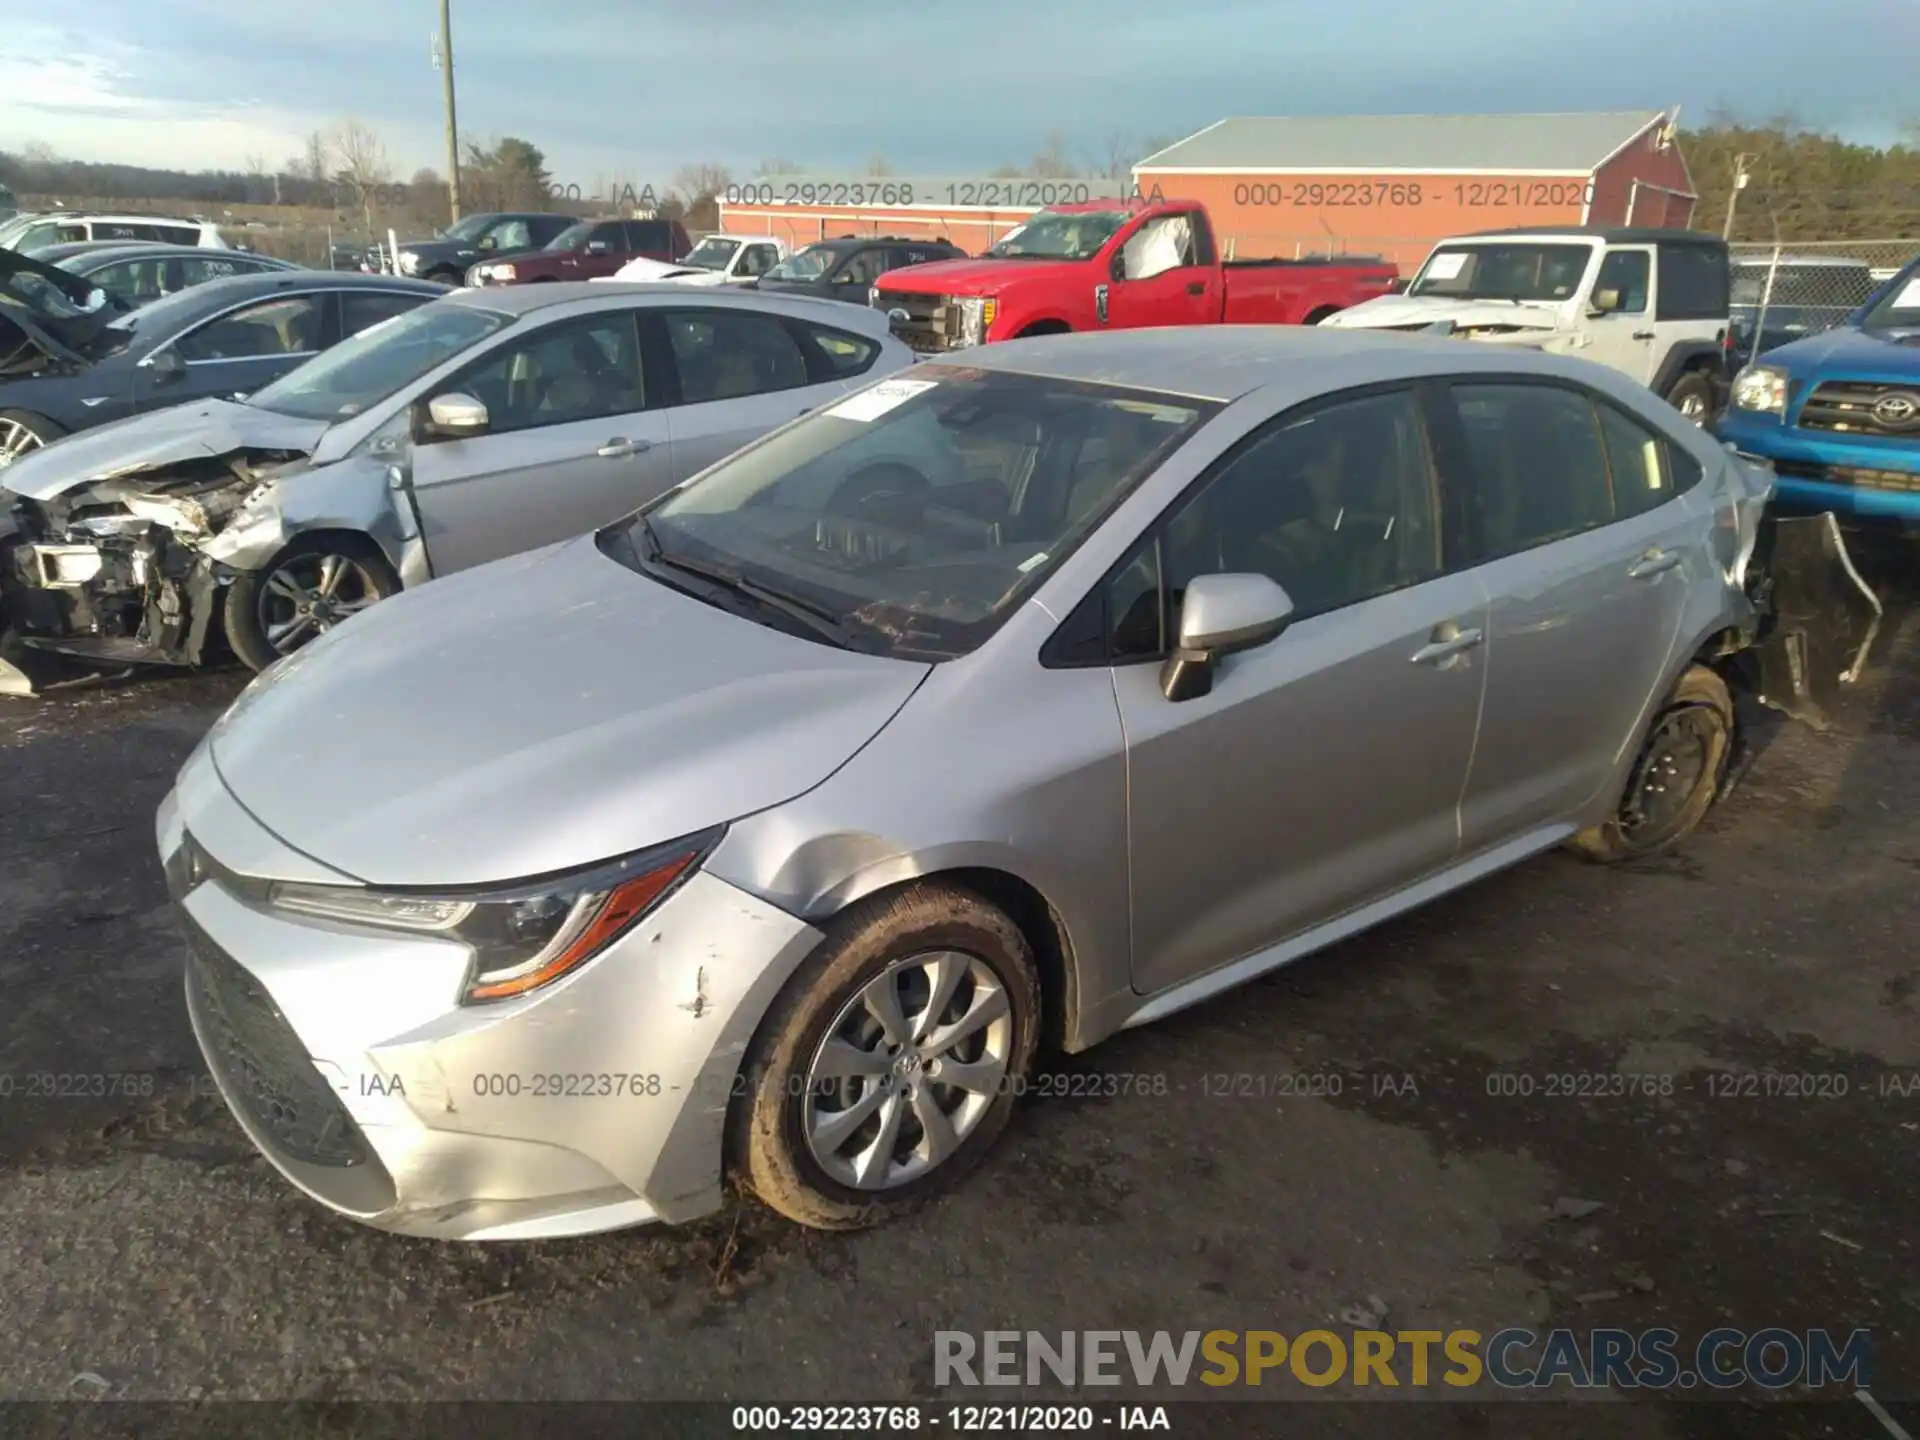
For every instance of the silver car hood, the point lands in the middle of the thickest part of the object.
(195, 431)
(537, 714)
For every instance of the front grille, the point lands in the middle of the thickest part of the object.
(1902, 481)
(261, 1063)
(926, 323)
(1863, 407)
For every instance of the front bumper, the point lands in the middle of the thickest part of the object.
(1867, 479)
(596, 1104)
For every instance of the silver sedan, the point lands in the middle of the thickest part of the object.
(1036, 693)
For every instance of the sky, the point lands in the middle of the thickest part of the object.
(628, 91)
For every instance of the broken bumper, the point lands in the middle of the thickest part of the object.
(597, 1104)
(1819, 615)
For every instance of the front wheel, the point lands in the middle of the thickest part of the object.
(22, 431)
(310, 587)
(892, 1060)
(1675, 777)
(1692, 396)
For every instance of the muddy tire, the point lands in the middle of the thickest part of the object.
(1692, 396)
(24, 431)
(1675, 777)
(333, 576)
(891, 1062)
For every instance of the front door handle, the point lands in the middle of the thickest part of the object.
(1448, 641)
(1654, 562)
(618, 448)
(1643, 334)
(1196, 287)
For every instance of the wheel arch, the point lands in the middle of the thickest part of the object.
(1684, 357)
(1045, 325)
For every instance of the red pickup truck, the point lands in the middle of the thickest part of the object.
(1114, 265)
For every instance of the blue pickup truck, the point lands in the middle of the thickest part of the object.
(1837, 414)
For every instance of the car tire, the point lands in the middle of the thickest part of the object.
(22, 431)
(256, 602)
(1676, 775)
(1692, 396)
(445, 277)
(911, 944)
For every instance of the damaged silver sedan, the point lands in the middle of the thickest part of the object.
(470, 429)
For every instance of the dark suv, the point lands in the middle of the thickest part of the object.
(586, 249)
(447, 256)
(845, 268)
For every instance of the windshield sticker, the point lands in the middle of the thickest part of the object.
(1909, 297)
(1033, 562)
(887, 395)
(1446, 267)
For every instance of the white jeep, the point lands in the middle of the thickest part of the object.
(1650, 303)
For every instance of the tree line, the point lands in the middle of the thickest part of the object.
(1801, 185)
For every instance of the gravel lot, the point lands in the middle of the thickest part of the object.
(146, 1253)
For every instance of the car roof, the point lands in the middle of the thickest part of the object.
(152, 249)
(851, 242)
(528, 299)
(1611, 234)
(1222, 363)
(185, 306)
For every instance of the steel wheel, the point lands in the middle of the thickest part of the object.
(908, 1068)
(16, 439)
(306, 595)
(1678, 754)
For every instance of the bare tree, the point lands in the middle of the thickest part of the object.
(1052, 163)
(699, 188)
(1006, 172)
(877, 164)
(38, 152)
(778, 165)
(360, 163)
(313, 159)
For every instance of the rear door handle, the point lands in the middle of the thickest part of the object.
(1196, 287)
(1445, 647)
(618, 448)
(1654, 562)
(1643, 334)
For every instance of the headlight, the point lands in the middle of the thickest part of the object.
(976, 317)
(409, 262)
(523, 937)
(500, 272)
(1762, 389)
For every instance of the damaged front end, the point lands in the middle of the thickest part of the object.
(125, 570)
(1819, 617)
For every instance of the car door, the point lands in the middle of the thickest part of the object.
(1324, 769)
(236, 353)
(737, 373)
(1623, 338)
(575, 440)
(1587, 565)
(1158, 278)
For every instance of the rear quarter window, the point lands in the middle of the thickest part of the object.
(1693, 283)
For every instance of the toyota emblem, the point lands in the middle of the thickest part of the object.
(1897, 410)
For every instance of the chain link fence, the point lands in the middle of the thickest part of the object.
(1784, 292)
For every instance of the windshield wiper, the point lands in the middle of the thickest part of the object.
(815, 617)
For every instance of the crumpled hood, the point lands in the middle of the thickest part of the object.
(537, 714)
(1388, 311)
(1861, 351)
(976, 277)
(196, 431)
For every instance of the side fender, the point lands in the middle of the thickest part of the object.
(1681, 356)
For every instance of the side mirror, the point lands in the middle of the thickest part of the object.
(1605, 302)
(1221, 615)
(1117, 267)
(449, 417)
(167, 366)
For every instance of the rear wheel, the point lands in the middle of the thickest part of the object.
(891, 1062)
(1692, 396)
(310, 587)
(22, 431)
(1675, 777)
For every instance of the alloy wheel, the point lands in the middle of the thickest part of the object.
(310, 594)
(907, 1070)
(16, 440)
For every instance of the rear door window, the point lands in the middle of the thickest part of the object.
(730, 354)
(1539, 465)
(287, 325)
(649, 237)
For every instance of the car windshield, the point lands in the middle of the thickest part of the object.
(469, 229)
(808, 264)
(574, 237)
(379, 361)
(1899, 308)
(712, 253)
(919, 512)
(1503, 272)
(1061, 235)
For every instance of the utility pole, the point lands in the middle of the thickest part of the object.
(1740, 178)
(443, 62)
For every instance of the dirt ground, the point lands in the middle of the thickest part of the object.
(146, 1253)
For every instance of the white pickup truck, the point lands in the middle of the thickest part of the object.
(1651, 303)
(716, 260)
